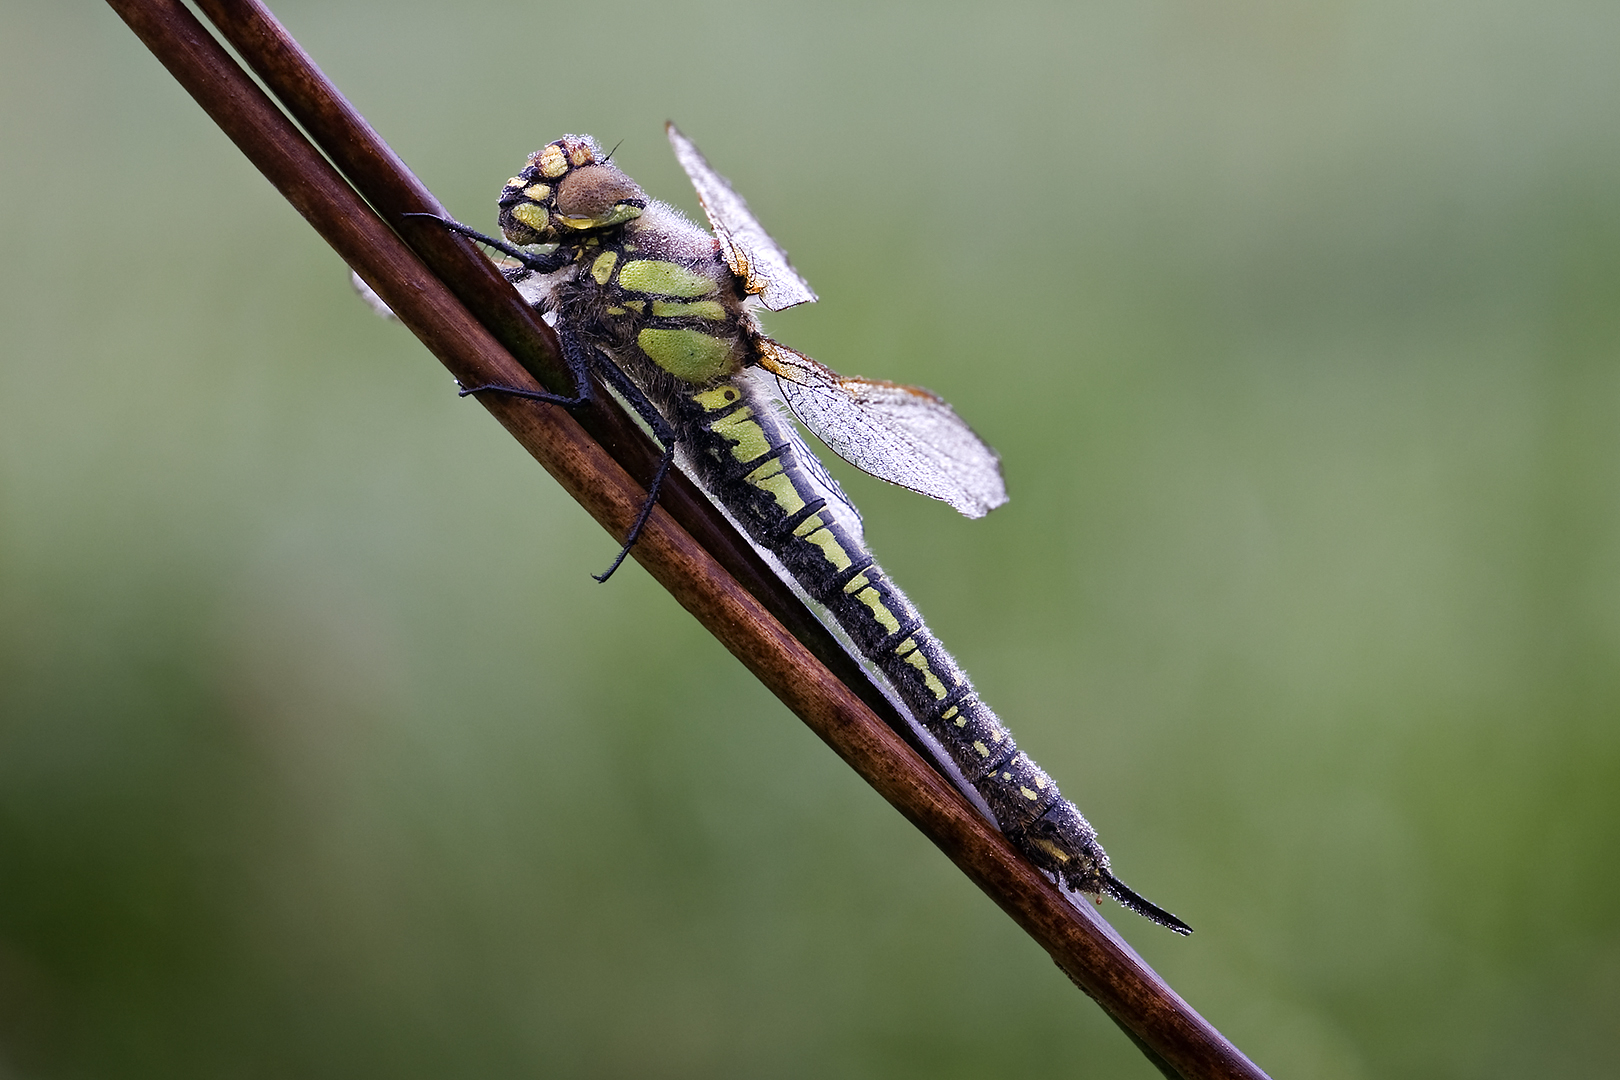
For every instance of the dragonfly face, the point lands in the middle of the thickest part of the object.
(567, 190)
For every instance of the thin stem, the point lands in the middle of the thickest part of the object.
(1174, 1037)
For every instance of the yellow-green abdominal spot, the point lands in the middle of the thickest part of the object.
(689, 355)
(663, 278)
(747, 438)
(770, 478)
(831, 549)
(880, 611)
(930, 680)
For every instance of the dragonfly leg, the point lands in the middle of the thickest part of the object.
(541, 264)
(661, 431)
(579, 367)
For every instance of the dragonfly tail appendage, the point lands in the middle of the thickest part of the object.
(1141, 905)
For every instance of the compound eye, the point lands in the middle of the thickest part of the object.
(593, 191)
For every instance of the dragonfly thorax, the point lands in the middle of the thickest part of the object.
(655, 295)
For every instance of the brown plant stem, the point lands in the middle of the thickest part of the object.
(1078, 939)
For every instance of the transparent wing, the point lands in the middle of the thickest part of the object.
(748, 248)
(369, 295)
(845, 510)
(901, 434)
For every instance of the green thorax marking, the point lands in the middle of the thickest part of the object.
(660, 278)
(692, 353)
(692, 356)
(698, 309)
(676, 294)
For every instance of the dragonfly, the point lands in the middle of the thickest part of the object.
(664, 312)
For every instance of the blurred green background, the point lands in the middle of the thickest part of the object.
(1295, 325)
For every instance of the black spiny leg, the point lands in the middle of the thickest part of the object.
(578, 368)
(548, 263)
(661, 431)
(581, 361)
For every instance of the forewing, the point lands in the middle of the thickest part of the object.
(748, 248)
(901, 434)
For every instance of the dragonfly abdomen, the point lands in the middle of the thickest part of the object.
(741, 449)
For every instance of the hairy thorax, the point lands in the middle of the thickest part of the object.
(658, 297)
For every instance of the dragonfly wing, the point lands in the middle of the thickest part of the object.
(369, 295)
(843, 507)
(748, 248)
(901, 434)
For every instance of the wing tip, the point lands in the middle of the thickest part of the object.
(773, 298)
(976, 507)
(682, 144)
(975, 503)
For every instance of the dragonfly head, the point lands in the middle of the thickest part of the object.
(568, 188)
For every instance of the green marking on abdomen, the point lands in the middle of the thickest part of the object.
(930, 680)
(718, 398)
(689, 355)
(808, 526)
(747, 438)
(831, 549)
(880, 611)
(664, 279)
(771, 478)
